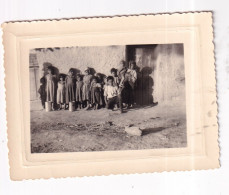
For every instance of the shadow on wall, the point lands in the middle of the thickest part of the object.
(54, 69)
(144, 87)
(92, 71)
(75, 71)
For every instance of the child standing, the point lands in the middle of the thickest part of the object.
(79, 89)
(132, 77)
(111, 94)
(69, 88)
(121, 73)
(42, 91)
(96, 98)
(114, 74)
(86, 88)
(61, 92)
(50, 86)
(101, 78)
(123, 88)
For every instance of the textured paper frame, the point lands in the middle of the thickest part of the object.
(194, 30)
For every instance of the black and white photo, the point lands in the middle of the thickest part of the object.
(105, 98)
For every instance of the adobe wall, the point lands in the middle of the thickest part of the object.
(102, 59)
(168, 74)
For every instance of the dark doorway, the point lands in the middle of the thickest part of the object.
(145, 58)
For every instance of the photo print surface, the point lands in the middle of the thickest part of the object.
(107, 98)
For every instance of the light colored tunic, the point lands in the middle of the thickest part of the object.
(60, 92)
(50, 86)
(86, 87)
(79, 91)
(110, 91)
(132, 77)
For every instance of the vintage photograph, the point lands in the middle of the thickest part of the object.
(105, 98)
(112, 95)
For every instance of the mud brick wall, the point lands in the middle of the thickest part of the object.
(167, 71)
(102, 59)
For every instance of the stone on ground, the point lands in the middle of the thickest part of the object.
(133, 130)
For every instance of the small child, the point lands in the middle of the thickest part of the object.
(123, 89)
(42, 92)
(132, 77)
(132, 74)
(100, 79)
(96, 98)
(61, 92)
(69, 88)
(111, 94)
(50, 86)
(114, 74)
(79, 88)
(86, 88)
(122, 69)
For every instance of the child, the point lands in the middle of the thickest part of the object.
(50, 86)
(132, 77)
(123, 87)
(132, 74)
(114, 74)
(86, 88)
(61, 92)
(96, 99)
(42, 91)
(100, 79)
(111, 94)
(79, 88)
(69, 88)
(122, 69)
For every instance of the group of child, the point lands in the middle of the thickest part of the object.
(89, 91)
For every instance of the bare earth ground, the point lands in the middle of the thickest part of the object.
(164, 126)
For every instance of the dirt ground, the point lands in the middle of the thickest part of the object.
(163, 126)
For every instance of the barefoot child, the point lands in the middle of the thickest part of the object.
(96, 99)
(50, 86)
(69, 88)
(79, 88)
(111, 94)
(86, 88)
(61, 92)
